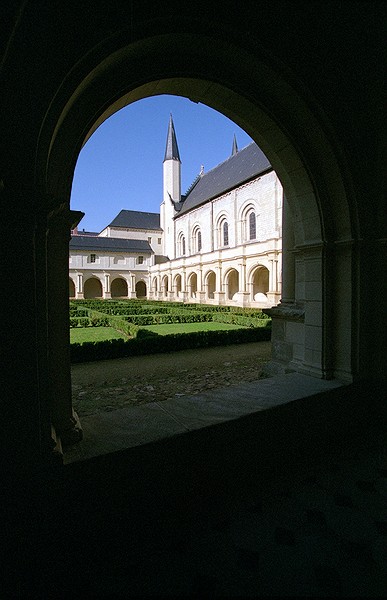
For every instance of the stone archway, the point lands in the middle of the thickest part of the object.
(260, 285)
(248, 90)
(232, 284)
(92, 288)
(164, 286)
(177, 285)
(192, 285)
(140, 289)
(119, 288)
(210, 285)
(71, 288)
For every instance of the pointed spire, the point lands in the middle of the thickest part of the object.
(234, 146)
(171, 149)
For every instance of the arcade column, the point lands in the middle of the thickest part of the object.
(64, 420)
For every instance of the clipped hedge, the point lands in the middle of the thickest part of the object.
(152, 343)
(168, 318)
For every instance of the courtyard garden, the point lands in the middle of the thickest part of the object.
(103, 329)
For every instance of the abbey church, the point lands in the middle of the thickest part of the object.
(217, 243)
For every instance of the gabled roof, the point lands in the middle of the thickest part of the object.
(107, 244)
(136, 219)
(237, 169)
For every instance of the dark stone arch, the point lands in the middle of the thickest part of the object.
(71, 288)
(119, 288)
(141, 290)
(92, 288)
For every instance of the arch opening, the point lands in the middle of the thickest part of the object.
(92, 288)
(119, 288)
(260, 284)
(304, 164)
(71, 288)
(141, 290)
(211, 285)
(232, 284)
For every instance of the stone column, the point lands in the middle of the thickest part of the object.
(200, 293)
(243, 294)
(107, 292)
(79, 291)
(219, 295)
(64, 420)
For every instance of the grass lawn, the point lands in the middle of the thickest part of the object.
(189, 327)
(94, 334)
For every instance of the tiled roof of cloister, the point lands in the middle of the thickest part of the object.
(84, 242)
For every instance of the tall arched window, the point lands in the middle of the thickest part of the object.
(181, 244)
(199, 240)
(225, 233)
(252, 226)
(222, 229)
(196, 240)
(249, 223)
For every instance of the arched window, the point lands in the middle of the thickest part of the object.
(222, 230)
(181, 244)
(196, 240)
(249, 223)
(252, 226)
(225, 233)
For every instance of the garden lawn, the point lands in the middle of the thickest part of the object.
(189, 327)
(94, 334)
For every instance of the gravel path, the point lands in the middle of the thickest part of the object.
(108, 385)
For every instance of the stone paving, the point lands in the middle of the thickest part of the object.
(304, 532)
(322, 536)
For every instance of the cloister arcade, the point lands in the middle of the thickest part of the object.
(210, 286)
(106, 285)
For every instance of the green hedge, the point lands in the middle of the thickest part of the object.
(151, 343)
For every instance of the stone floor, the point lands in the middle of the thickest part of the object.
(301, 527)
(116, 430)
(322, 536)
(253, 491)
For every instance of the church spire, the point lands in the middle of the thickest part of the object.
(171, 149)
(234, 146)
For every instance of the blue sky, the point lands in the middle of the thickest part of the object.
(121, 164)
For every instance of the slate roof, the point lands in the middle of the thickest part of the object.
(107, 244)
(136, 219)
(237, 169)
(171, 148)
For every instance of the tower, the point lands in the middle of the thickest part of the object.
(171, 190)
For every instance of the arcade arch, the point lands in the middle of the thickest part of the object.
(71, 288)
(177, 286)
(210, 285)
(164, 286)
(192, 285)
(232, 284)
(119, 288)
(260, 284)
(141, 289)
(92, 288)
